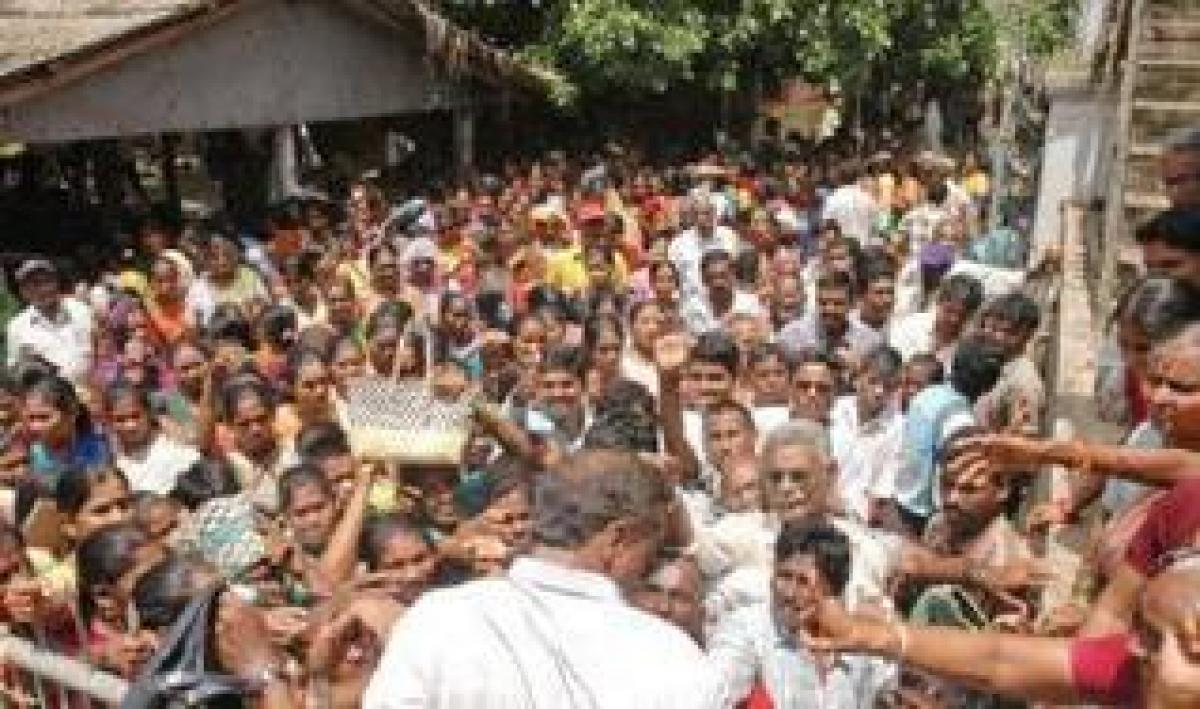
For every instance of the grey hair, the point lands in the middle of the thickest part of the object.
(799, 433)
(590, 490)
(1185, 140)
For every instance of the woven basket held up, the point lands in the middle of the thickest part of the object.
(403, 421)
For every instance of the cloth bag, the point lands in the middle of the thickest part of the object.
(403, 421)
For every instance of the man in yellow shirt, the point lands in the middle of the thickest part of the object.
(566, 267)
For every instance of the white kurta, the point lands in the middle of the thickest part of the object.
(541, 637)
(868, 454)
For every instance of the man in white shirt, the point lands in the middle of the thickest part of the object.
(936, 330)
(866, 432)
(686, 250)
(555, 631)
(875, 308)
(851, 206)
(720, 299)
(52, 326)
(812, 562)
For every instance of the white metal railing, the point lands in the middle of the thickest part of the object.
(56, 680)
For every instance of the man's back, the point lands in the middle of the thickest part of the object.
(541, 636)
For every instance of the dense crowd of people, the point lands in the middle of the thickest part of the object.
(742, 433)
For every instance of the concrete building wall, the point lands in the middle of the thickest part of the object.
(276, 62)
(1077, 157)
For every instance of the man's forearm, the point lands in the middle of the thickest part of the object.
(674, 438)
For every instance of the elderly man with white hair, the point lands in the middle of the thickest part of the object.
(798, 475)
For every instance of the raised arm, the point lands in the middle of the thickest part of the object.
(511, 437)
(1159, 467)
(670, 354)
(336, 564)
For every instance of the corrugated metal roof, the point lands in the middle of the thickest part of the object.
(36, 35)
(33, 32)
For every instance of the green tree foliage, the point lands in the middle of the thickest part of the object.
(651, 46)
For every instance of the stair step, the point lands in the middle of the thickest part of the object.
(1146, 200)
(1174, 23)
(1168, 106)
(1149, 128)
(1146, 150)
(1171, 62)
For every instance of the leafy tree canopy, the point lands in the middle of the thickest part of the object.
(651, 46)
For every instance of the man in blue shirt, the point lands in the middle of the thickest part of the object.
(933, 415)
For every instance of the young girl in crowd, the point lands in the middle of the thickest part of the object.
(149, 458)
(60, 431)
(249, 441)
(308, 395)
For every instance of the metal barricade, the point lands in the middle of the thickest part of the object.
(47, 679)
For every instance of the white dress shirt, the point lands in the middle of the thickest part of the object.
(64, 340)
(768, 418)
(541, 637)
(910, 294)
(868, 454)
(638, 369)
(913, 334)
(698, 315)
(751, 644)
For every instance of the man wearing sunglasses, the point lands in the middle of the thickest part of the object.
(798, 477)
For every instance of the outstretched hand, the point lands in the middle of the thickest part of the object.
(831, 628)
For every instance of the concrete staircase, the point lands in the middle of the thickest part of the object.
(1166, 93)
(1159, 95)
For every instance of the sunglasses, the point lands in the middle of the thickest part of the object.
(793, 477)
